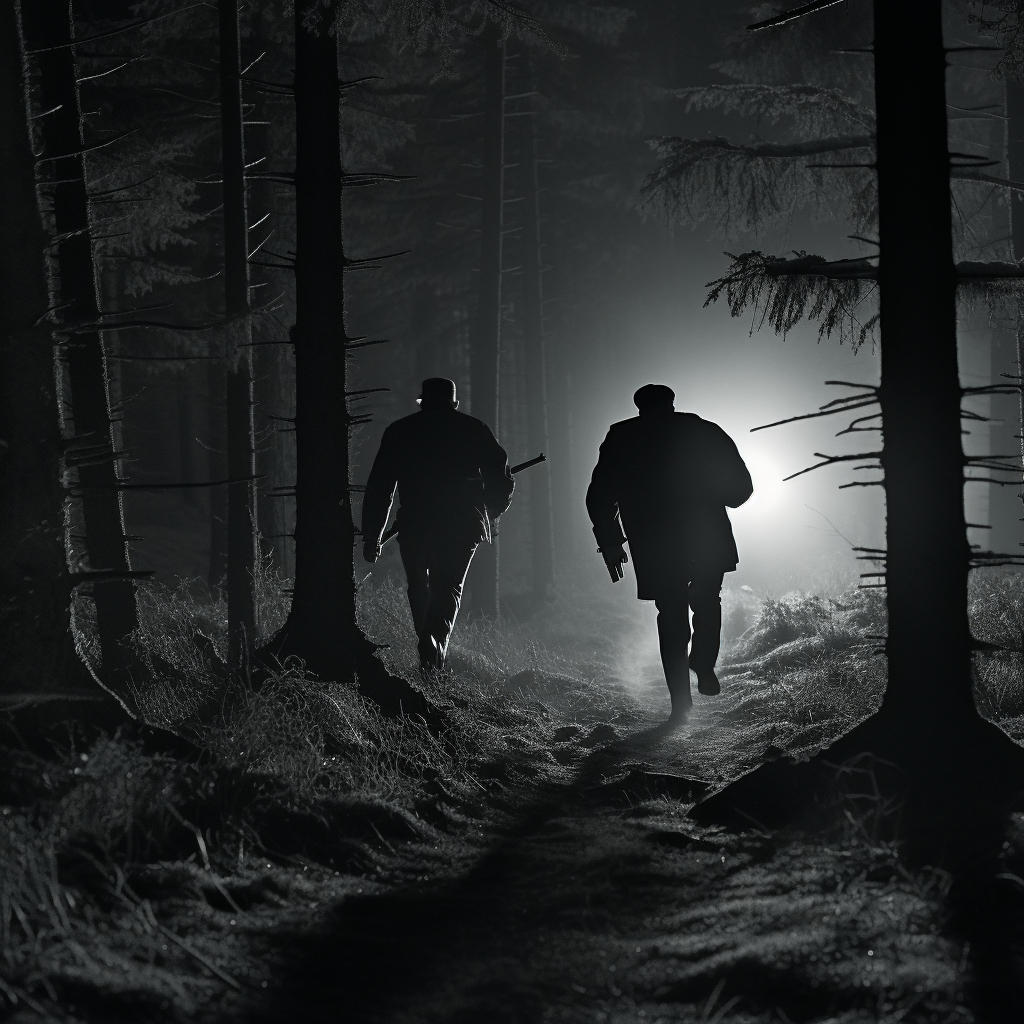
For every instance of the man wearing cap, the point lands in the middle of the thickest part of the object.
(663, 481)
(453, 481)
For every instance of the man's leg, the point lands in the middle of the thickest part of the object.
(673, 638)
(705, 598)
(449, 563)
(415, 561)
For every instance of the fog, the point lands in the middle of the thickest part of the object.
(792, 535)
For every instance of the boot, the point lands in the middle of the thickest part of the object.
(682, 704)
(707, 682)
(431, 658)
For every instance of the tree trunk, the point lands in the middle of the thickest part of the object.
(268, 370)
(566, 503)
(34, 609)
(217, 463)
(1013, 100)
(483, 578)
(184, 397)
(541, 527)
(928, 724)
(90, 449)
(321, 627)
(920, 392)
(238, 393)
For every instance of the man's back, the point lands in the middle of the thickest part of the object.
(669, 476)
(675, 462)
(453, 478)
(448, 468)
(666, 479)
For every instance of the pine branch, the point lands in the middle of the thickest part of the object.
(79, 488)
(88, 149)
(115, 31)
(792, 15)
(747, 187)
(831, 460)
(817, 415)
(968, 174)
(99, 575)
(784, 292)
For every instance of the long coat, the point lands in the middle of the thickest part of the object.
(452, 477)
(667, 479)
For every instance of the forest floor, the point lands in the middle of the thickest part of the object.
(552, 875)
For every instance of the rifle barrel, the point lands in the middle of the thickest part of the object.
(526, 465)
(515, 469)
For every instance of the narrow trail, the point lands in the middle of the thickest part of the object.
(601, 901)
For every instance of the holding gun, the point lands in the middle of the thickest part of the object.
(615, 558)
(393, 530)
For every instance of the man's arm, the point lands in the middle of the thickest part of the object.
(603, 509)
(497, 480)
(379, 496)
(731, 478)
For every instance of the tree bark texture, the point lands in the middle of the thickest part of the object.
(1013, 98)
(267, 361)
(541, 527)
(955, 773)
(73, 285)
(34, 608)
(321, 628)
(484, 357)
(217, 463)
(322, 615)
(238, 392)
(929, 692)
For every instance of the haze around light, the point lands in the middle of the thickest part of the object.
(794, 535)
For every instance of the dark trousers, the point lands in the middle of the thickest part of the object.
(704, 595)
(435, 568)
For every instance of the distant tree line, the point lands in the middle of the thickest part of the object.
(184, 246)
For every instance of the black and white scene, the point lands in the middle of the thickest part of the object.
(511, 511)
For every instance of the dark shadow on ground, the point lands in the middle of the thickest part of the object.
(470, 949)
(985, 904)
(378, 953)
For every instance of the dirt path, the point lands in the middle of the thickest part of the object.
(600, 901)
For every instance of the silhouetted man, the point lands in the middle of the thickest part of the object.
(453, 483)
(665, 478)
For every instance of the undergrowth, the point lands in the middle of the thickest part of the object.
(299, 768)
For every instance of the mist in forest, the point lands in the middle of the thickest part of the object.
(254, 752)
(623, 305)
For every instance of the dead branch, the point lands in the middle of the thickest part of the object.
(831, 460)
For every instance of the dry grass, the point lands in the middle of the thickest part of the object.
(997, 616)
(307, 770)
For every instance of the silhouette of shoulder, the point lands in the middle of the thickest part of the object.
(437, 443)
(679, 424)
(441, 420)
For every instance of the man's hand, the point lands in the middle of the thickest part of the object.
(614, 557)
(371, 551)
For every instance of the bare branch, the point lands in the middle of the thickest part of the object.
(815, 415)
(115, 31)
(88, 149)
(831, 460)
(792, 15)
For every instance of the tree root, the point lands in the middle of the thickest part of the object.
(942, 794)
